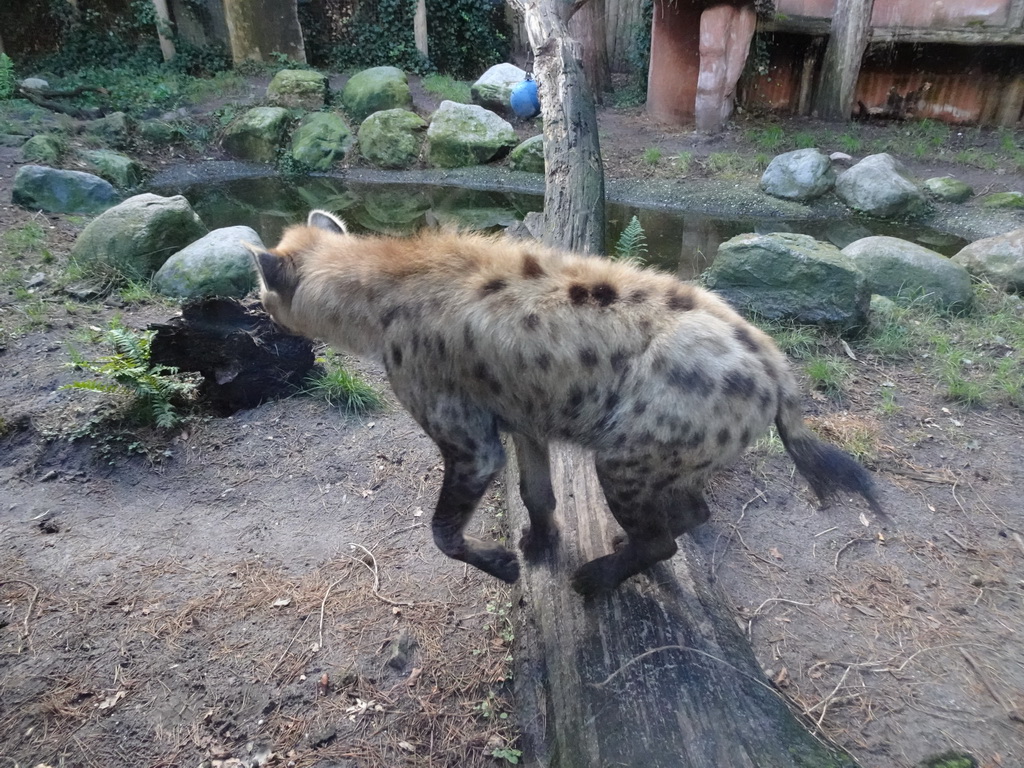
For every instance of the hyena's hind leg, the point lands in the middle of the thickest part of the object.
(541, 536)
(472, 455)
(654, 502)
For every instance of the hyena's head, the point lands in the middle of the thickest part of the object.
(280, 269)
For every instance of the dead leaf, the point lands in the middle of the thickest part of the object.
(782, 679)
(111, 701)
(407, 746)
(282, 602)
(774, 552)
(323, 685)
(413, 676)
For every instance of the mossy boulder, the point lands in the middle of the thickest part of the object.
(392, 138)
(217, 264)
(39, 188)
(375, 89)
(528, 156)
(948, 189)
(999, 260)
(159, 132)
(1003, 200)
(880, 186)
(465, 134)
(792, 277)
(494, 88)
(135, 238)
(801, 175)
(908, 272)
(258, 134)
(321, 140)
(301, 88)
(44, 148)
(120, 170)
(112, 130)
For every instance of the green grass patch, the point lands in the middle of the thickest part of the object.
(447, 87)
(828, 374)
(652, 155)
(342, 389)
(974, 359)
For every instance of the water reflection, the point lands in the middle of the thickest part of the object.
(677, 241)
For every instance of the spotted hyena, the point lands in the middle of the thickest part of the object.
(482, 335)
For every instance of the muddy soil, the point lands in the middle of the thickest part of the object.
(263, 588)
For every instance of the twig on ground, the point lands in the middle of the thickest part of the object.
(31, 606)
(842, 549)
(376, 575)
(292, 641)
(974, 665)
(964, 547)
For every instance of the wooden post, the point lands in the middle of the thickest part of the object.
(164, 29)
(851, 25)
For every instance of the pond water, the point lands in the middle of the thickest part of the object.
(677, 241)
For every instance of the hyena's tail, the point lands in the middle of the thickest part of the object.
(827, 469)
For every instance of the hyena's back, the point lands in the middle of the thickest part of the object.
(661, 379)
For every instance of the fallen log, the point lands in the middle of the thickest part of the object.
(656, 675)
(39, 97)
(243, 356)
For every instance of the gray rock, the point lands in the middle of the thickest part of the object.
(392, 138)
(948, 189)
(321, 140)
(1000, 260)
(465, 134)
(879, 185)
(257, 134)
(44, 148)
(907, 272)
(112, 130)
(802, 174)
(39, 188)
(790, 276)
(135, 238)
(298, 88)
(217, 264)
(495, 85)
(12, 140)
(159, 132)
(375, 89)
(120, 170)
(35, 84)
(528, 156)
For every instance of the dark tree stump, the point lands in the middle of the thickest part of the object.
(243, 356)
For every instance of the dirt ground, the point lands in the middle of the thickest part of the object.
(262, 589)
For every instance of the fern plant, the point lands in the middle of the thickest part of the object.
(632, 243)
(7, 80)
(154, 392)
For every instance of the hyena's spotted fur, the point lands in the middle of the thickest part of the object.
(482, 335)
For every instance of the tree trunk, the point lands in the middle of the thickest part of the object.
(851, 24)
(621, 20)
(656, 675)
(164, 29)
(588, 27)
(259, 28)
(419, 25)
(574, 189)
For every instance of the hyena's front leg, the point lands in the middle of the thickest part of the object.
(472, 458)
(541, 535)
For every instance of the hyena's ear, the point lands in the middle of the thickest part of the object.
(327, 222)
(276, 273)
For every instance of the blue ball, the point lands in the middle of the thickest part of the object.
(524, 100)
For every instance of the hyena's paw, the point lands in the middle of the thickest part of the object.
(501, 563)
(595, 577)
(538, 543)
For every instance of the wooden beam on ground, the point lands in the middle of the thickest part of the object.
(656, 675)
